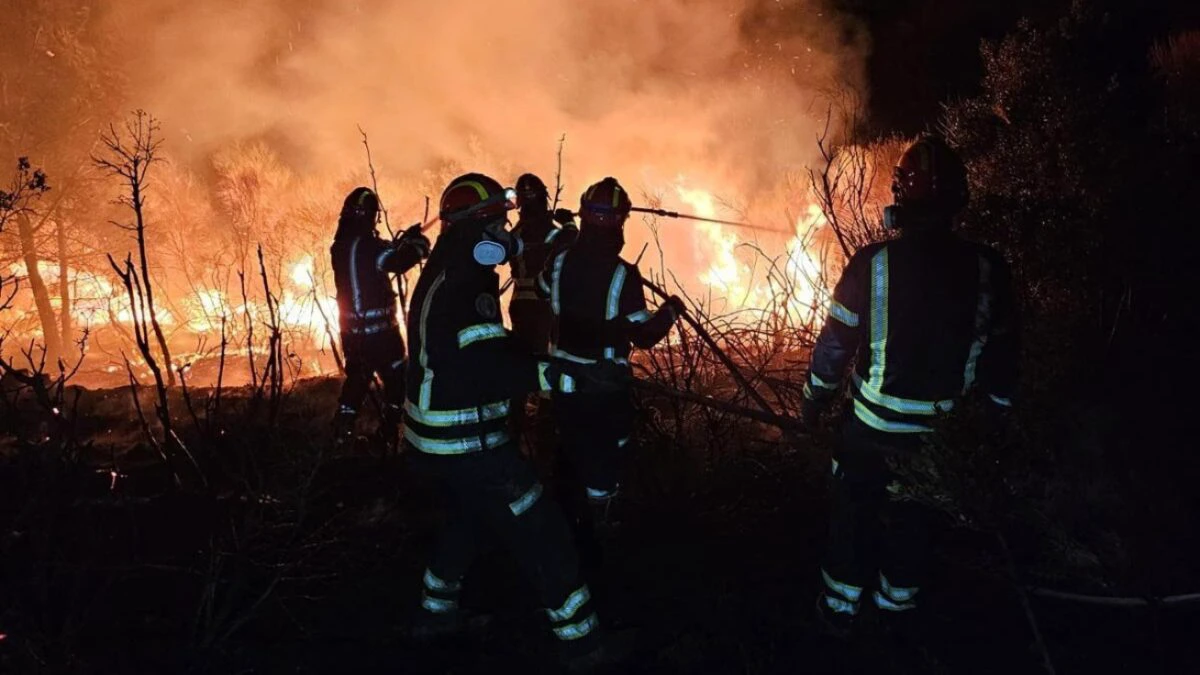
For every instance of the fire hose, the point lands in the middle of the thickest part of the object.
(687, 216)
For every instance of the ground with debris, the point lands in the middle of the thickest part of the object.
(107, 570)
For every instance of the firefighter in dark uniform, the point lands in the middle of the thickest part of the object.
(600, 306)
(371, 341)
(539, 229)
(532, 320)
(463, 374)
(927, 318)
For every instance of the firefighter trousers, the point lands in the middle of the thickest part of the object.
(595, 431)
(366, 355)
(878, 541)
(532, 325)
(496, 492)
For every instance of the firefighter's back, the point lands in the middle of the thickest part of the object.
(933, 301)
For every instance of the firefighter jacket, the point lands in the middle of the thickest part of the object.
(543, 238)
(600, 305)
(464, 367)
(930, 316)
(366, 297)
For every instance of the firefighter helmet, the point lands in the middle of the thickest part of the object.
(474, 197)
(362, 202)
(530, 188)
(930, 177)
(606, 203)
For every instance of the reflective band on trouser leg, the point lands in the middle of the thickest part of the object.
(566, 621)
(895, 598)
(598, 495)
(440, 596)
(840, 596)
(524, 502)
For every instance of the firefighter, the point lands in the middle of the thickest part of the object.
(366, 299)
(599, 303)
(540, 229)
(544, 233)
(465, 371)
(926, 317)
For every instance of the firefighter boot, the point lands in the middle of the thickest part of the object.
(605, 522)
(343, 425)
(833, 623)
(389, 426)
(431, 627)
(612, 649)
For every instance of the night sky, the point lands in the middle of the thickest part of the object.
(927, 51)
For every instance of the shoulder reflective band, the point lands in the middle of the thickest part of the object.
(478, 332)
(1001, 401)
(838, 311)
(879, 317)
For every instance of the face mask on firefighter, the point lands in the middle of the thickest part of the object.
(498, 245)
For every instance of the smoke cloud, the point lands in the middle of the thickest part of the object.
(714, 91)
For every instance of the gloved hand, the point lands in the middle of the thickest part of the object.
(414, 237)
(564, 217)
(675, 305)
(603, 376)
(812, 413)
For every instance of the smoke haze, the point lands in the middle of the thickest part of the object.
(644, 90)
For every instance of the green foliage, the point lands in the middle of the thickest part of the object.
(1081, 149)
